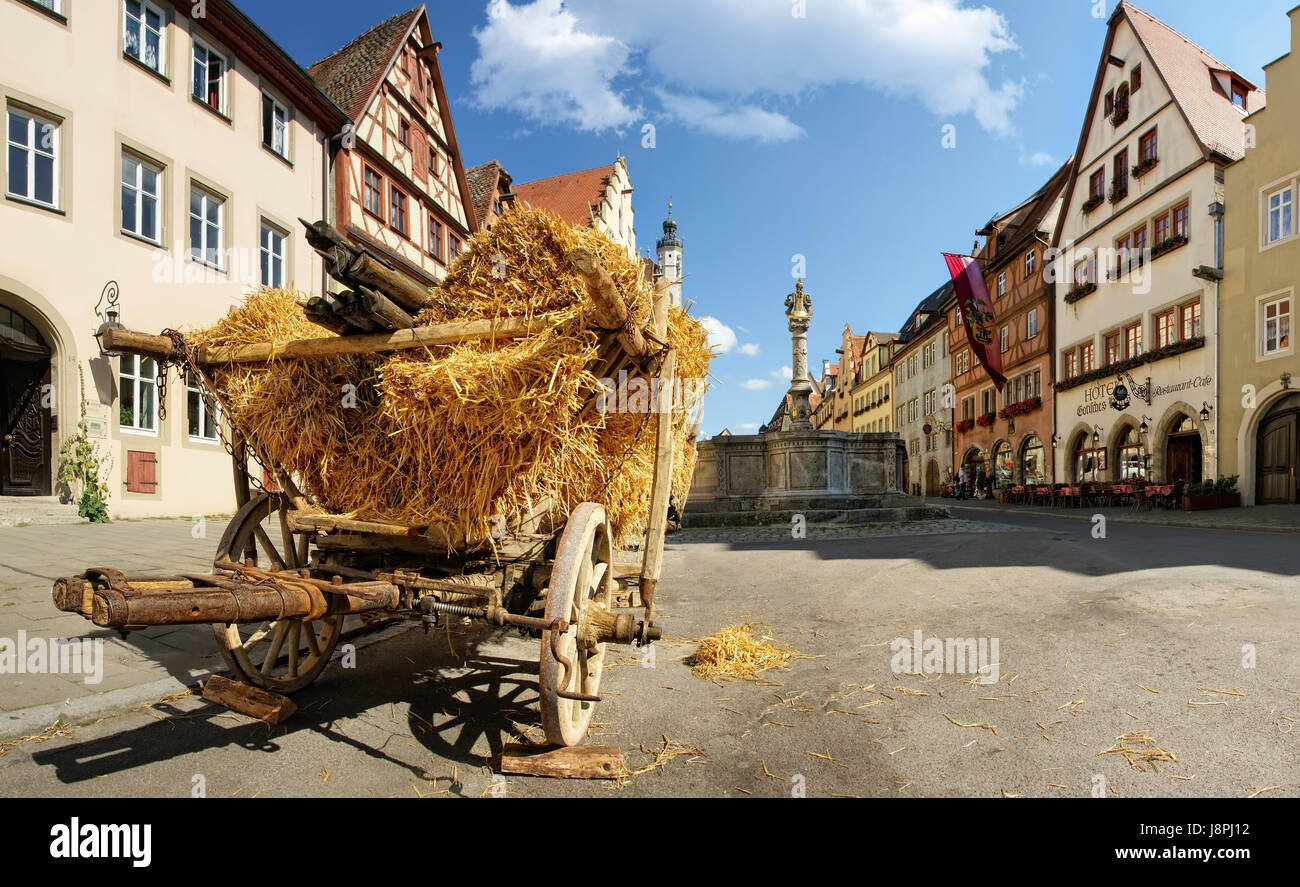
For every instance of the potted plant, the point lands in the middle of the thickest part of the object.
(1221, 493)
(1145, 166)
(1093, 202)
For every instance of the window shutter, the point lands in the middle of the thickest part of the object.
(141, 472)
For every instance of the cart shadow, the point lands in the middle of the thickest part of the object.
(465, 700)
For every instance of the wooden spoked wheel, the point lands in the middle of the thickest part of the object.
(582, 580)
(288, 654)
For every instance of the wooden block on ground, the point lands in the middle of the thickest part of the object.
(578, 762)
(248, 700)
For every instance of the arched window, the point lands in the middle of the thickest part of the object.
(1004, 465)
(1132, 455)
(1089, 463)
(1033, 462)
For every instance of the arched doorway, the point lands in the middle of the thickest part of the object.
(1183, 453)
(933, 486)
(1276, 454)
(1033, 461)
(25, 399)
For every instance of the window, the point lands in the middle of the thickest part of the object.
(137, 391)
(967, 409)
(1277, 326)
(272, 250)
(51, 5)
(1140, 244)
(1121, 172)
(1004, 338)
(1280, 209)
(1239, 95)
(1147, 150)
(1136, 79)
(209, 77)
(1161, 226)
(202, 424)
(1190, 319)
(1029, 264)
(1180, 221)
(1088, 357)
(988, 401)
(1123, 254)
(1131, 453)
(374, 193)
(1133, 341)
(1113, 344)
(1071, 364)
(1166, 329)
(1097, 185)
(141, 190)
(1002, 284)
(145, 30)
(433, 163)
(1110, 102)
(435, 238)
(404, 131)
(1031, 323)
(33, 155)
(275, 126)
(963, 363)
(1086, 271)
(453, 246)
(206, 212)
(397, 210)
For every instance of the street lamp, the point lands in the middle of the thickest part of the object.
(108, 297)
(1205, 411)
(1144, 428)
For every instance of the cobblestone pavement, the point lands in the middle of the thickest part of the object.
(1279, 518)
(1186, 637)
(831, 531)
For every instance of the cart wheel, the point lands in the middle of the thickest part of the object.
(582, 578)
(288, 654)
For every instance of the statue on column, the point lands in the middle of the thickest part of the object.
(798, 312)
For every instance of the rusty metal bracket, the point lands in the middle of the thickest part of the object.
(559, 627)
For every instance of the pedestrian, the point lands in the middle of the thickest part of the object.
(961, 483)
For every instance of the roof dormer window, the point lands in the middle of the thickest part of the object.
(1239, 94)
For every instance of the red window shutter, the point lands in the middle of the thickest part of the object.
(141, 472)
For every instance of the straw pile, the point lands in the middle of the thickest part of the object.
(739, 651)
(456, 435)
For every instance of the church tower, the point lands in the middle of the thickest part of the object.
(669, 250)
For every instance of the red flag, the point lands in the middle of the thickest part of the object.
(977, 314)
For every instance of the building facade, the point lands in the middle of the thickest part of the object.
(398, 177)
(872, 390)
(1137, 381)
(490, 191)
(1009, 434)
(923, 395)
(1260, 370)
(165, 167)
(600, 198)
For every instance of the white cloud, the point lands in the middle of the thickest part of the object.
(730, 122)
(722, 338)
(756, 384)
(1039, 158)
(721, 66)
(748, 426)
(783, 373)
(749, 349)
(535, 60)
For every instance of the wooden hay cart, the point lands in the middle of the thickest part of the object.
(286, 575)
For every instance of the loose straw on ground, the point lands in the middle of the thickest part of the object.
(740, 651)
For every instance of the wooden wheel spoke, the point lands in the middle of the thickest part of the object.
(277, 641)
(309, 629)
(295, 645)
(286, 538)
(269, 548)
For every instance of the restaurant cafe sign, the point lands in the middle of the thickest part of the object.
(1119, 394)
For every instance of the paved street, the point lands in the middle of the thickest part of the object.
(1145, 631)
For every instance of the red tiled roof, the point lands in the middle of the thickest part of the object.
(1187, 69)
(573, 196)
(352, 75)
(482, 180)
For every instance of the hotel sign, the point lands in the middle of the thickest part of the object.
(1118, 396)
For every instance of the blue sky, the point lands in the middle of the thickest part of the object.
(779, 135)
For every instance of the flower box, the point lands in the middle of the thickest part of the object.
(1171, 350)
(1093, 202)
(1022, 408)
(1118, 194)
(1120, 115)
(1213, 500)
(1146, 166)
(986, 420)
(1168, 245)
(965, 425)
(1079, 292)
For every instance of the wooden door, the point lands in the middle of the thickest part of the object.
(1183, 462)
(1275, 481)
(25, 417)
